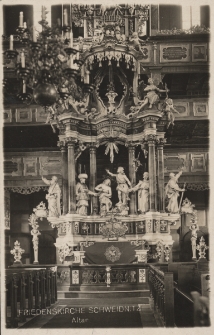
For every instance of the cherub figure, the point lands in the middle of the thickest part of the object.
(93, 114)
(136, 41)
(52, 116)
(168, 108)
(150, 98)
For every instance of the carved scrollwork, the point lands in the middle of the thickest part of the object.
(27, 190)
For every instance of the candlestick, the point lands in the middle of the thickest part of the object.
(11, 42)
(25, 25)
(21, 18)
(65, 17)
(22, 59)
(24, 86)
(71, 39)
(34, 34)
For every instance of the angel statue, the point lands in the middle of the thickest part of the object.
(151, 97)
(168, 108)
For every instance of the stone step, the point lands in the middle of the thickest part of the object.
(104, 288)
(105, 294)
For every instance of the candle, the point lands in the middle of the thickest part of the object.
(43, 13)
(22, 59)
(24, 86)
(11, 42)
(34, 34)
(71, 61)
(21, 19)
(78, 54)
(65, 17)
(25, 25)
(71, 39)
(86, 77)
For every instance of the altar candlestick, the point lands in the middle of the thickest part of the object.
(25, 25)
(21, 19)
(22, 59)
(71, 39)
(34, 34)
(11, 42)
(65, 17)
(24, 86)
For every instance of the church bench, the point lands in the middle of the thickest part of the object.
(27, 290)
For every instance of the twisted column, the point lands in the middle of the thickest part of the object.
(151, 139)
(132, 178)
(71, 175)
(93, 176)
(160, 175)
(64, 156)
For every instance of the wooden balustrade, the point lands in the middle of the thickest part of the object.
(162, 294)
(171, 297)
(28, 290)
(94, 276)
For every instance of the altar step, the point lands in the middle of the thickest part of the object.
(102, 295)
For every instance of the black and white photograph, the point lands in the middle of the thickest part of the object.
(106, 216)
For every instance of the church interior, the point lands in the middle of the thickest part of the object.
(106, 165)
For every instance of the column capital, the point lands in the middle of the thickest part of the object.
(150, 139)
(93, 145)
(71, 141)
(61, 144)
(131, 144)
(161, 141)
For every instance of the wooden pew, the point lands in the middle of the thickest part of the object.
(28, 289)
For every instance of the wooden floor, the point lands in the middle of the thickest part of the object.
(96, 313)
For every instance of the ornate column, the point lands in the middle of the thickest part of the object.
(132, 177)
(71, 175)
(93, 176)
(160, 175)
(64, 156)
(151, 139)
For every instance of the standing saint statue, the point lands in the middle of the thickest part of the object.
(122, 187)
(82, 194)
(53, 196)
(172, 192)
(194, 228)
(105, 194)
(143, 193)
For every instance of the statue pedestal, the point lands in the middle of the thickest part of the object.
(141, 256)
